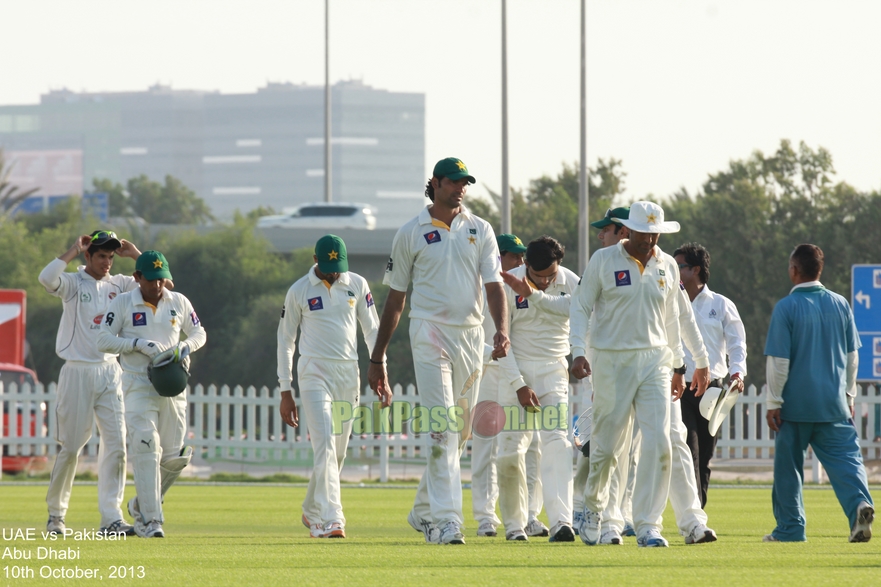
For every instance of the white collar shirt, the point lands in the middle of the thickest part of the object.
(724, 336)
(327, 318)
(85, 301)
(130, 318)
(627, 309)
(447, 265)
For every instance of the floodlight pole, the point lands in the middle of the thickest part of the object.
(328, 193)
(583, 201)
(506, 189)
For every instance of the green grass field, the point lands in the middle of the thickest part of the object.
(251, 535)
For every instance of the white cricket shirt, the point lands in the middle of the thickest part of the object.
(447, 265)
(539, 323)
(326, 317)
(723, 333)
(129, 318)
(625, 308)
(85, 301)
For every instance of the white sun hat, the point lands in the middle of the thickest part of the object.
(715, 405)
(649, 217)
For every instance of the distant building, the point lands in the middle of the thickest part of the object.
(236, 151)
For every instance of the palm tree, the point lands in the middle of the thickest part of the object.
(10, 195)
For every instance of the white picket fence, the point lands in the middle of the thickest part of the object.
(243, 425)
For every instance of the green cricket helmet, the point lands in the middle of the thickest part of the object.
(167, 373)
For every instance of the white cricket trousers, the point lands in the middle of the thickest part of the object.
(550, 381)
(484, 455)
(87, 393)
(323, 382)
(623, 380)
(157, 428)
(448, 364)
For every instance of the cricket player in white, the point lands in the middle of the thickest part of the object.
(326, 305)
(139, 325)
(628, 296)
(448, 254)
(88, 386)
(535, 376)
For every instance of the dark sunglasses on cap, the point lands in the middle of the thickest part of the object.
(100, 237)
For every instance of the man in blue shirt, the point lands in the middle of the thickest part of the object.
(812, 361)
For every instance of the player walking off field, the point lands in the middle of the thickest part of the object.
(139, 325)
(725, 338)
(629, 296)
(535, 377)
(88, 385)
(326, 305)
(812, 364)
(450, 255)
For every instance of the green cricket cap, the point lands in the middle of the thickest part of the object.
(331, 253)
(612, 214)
(452, 168)
(510, 243)
(153, 265)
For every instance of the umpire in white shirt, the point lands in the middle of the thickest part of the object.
(724, 336)
(326, 305)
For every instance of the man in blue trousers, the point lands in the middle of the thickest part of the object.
(812, 362)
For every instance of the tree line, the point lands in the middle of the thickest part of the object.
(749, 216)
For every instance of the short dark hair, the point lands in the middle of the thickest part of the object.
(808, 260)
(108, 246)
(429, 189)
(618, 227)
(696, 256)
(543, 251)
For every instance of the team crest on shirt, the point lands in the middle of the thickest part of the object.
(661, 272)
(86, 297)
(622, 277)
(713, 313)
(369, 299)
(350, 293)
(522, 303)
(472, 231)
(315, 304)
(139, 319)
(432, 237)
(194, 318)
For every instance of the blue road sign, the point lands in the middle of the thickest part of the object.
(866, 303)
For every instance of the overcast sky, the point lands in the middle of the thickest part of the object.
(676, 88)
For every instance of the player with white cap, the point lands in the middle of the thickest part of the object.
(326, 305)
(631, 293)
(447, 252)
(139, 325)
(88, 384)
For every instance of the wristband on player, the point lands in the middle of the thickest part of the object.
(680, 370)
(377, 362)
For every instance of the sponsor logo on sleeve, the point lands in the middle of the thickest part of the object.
(390, 265)
(681, 285)
(522, 303)
(622, 277)
(109, 319)
(139, 319)
(432, 237)
(369, 299)
(315, 304)
(194, 318)
(282, 311)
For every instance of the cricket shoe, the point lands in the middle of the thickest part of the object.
(451, 534)
(577, 520)
(152, 529)
(118, 527)
(486, 528)
(769, 538)
(628, 530)
(334, 530)
(651, 539)
(590, 529)
(55, 525)
(536, 528)
(862, 529)
(611, 537)
(305, 521)
(429, 530)
(700, 534)
(518, 535)
(562, 533)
